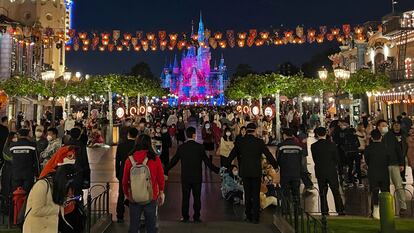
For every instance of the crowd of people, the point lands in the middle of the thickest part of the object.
(46, 168)
(38, 159)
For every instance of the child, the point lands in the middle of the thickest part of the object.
(231, 187)
(377, 160)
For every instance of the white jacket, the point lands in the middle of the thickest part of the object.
(42, 214)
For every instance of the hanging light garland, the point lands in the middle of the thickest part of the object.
(163, 40)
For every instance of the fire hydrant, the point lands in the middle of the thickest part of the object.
(19, 197)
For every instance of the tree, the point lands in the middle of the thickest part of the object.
(242, 70)
(310, 68)
(288, 69)
(142, 69)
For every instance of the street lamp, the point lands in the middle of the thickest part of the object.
(67, 76)
(323, 75)
(78, 74)
(47, 76)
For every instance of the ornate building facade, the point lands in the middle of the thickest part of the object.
(193, 80)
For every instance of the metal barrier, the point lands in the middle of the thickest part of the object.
(6, 212)
(97, 207)
(410, 203)
(301, 221)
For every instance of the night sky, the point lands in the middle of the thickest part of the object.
(176, 15)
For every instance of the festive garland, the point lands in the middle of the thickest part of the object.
(162, 40)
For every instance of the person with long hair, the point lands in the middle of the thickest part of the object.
(143, 149)
(47, 199)
(225, 147)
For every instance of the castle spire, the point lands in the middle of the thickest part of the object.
(201, 29)
(175, 61)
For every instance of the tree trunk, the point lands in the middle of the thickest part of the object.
(300, 103)
(261, 104)
(127, 105)
(321, 115)
(110, 118)
(39, 109)
(68, 103)
(351, 109)
(138, 101)
(278, 124)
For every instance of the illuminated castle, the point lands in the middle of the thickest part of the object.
(194, 81)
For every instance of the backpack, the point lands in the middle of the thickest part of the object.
(140, 182)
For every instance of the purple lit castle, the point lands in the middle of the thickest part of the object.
(194, 81)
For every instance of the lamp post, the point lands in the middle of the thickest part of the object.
(340, 73)
(323, 75)
(67, 76)
(49, 76)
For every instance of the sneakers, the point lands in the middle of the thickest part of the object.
(184, 220)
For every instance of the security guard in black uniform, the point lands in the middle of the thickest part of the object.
(289, 157)
(249, 151)
(25, 163)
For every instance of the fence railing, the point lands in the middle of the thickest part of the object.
(97, 207)
(301, 221)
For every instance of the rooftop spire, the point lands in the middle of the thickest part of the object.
(201, 29)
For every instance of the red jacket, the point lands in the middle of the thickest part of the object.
(156, 170)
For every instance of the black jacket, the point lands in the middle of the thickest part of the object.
(289, 159)
(249, 150)
(377, 159)
(83, 178)
(326, 158)
(25, 161)
(4, 133)
(122, 152)
(191, 154)
(394, 149)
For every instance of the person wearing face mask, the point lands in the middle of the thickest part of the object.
(249, 151)
(25, 163)
(208, 139)
(141, 127)
(41, 142)
(225, 147)
(6, 171)
(123, 131)
(402, 141)
(231, 187)
(241, 134)
(180, 130)
(396, 162)
(325, 156)
(54, 143)
(166, 145)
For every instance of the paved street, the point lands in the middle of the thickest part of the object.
(217, 214)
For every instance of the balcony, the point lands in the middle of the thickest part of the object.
(399, 76)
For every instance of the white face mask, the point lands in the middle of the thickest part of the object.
(14, 140)
(164, 130)
(228, 134)
(38, 134)
(49, 138)
(207, 126)
(384, 130)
